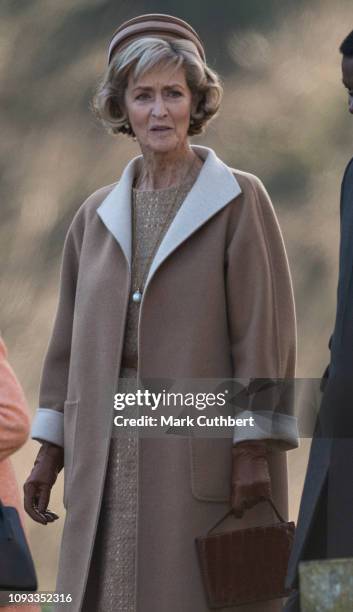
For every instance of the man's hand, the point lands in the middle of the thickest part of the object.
(37, 488)
(251, 481)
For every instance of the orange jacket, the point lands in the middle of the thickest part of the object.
(14, 431)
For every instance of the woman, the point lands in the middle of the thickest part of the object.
(14, 431)
(178, 271)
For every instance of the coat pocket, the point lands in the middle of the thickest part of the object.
(211, 464)
(70, 420)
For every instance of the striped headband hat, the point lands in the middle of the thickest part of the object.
(154, 24)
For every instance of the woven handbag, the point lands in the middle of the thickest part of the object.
(246, 565)
(17, 571)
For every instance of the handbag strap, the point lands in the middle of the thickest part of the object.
(268, 499)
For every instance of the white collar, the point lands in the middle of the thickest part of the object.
(213, 189)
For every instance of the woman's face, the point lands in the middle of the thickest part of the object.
(158, 106)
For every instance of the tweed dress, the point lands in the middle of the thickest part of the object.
(111, 583)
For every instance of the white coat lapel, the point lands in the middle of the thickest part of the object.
(213, 189)
(115, 210)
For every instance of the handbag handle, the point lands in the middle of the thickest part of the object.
(268, 499)
(7, 529)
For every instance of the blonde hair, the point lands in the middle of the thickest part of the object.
(142, 55)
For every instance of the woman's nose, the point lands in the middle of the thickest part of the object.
(159, 108)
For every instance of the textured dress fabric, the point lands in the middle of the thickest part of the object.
(112, 578)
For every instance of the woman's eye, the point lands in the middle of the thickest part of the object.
(174, 93)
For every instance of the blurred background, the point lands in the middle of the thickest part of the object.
(284, 117)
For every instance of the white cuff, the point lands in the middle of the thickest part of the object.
(48, 425)
(279, 428)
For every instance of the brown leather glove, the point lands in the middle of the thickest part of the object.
(251, 481)
(48, 463)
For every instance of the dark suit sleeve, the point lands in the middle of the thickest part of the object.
(326, 373)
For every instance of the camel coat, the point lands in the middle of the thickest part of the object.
(217, 303)
(14, 431)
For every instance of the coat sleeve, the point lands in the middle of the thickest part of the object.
(261, 315)
(48, 423)
(14, 417)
